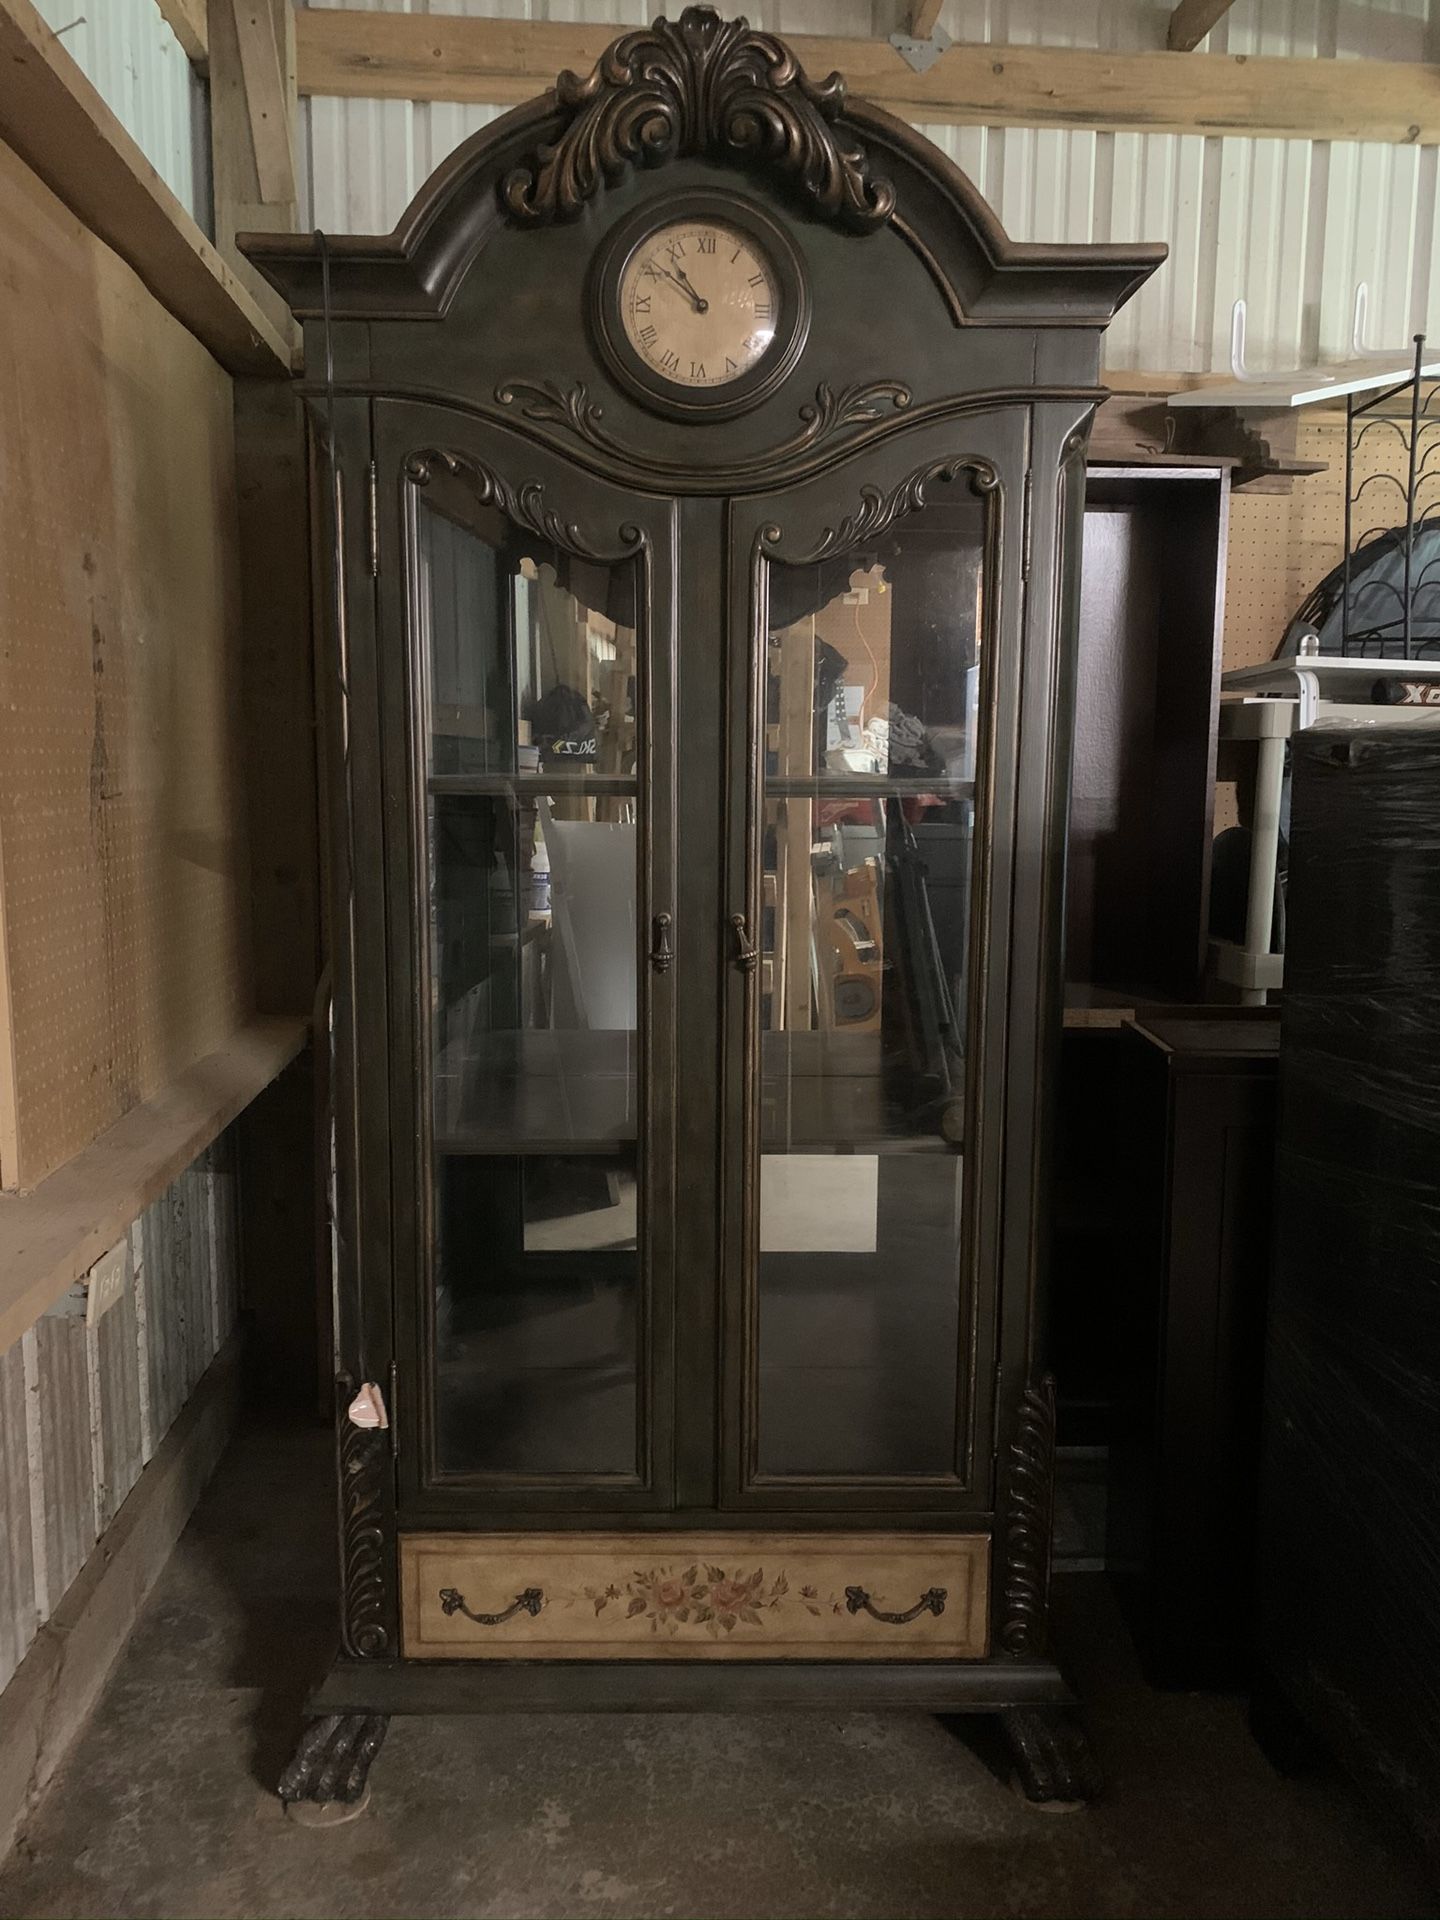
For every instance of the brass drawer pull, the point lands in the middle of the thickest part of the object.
(932, 1601)
(530, 1601)
(661, 952)
(746, 954)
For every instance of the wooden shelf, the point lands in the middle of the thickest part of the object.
(54, 1234)
(61, 128)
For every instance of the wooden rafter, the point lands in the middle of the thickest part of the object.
(420, 56)
(188, 21)
(60, 127)
(1192, 20)
(923, 16)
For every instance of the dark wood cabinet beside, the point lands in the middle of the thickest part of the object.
(1198, 1097)
(705, 469)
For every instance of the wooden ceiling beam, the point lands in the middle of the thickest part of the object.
(189, 22)
(1192, 20)
(60, 127)
(431, 56)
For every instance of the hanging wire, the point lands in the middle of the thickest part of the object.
(342, 674)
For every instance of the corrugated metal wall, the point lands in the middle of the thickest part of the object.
(1290, 226)
(82, 1409)
(128, 53)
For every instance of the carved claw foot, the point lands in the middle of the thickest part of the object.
(1053, 1761)
(332, 1758)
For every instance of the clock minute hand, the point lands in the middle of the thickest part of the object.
(677, 274)
(701, 305)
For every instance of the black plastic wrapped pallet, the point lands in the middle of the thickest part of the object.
(1350, 1528)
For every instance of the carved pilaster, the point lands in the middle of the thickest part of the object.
(367, 1557)
(1029, 1516)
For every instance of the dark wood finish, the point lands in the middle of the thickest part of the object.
(688, 1686)
(1143, 787)
(1199, 1097)
(278, 1169)
(941, 364)
(272, 488)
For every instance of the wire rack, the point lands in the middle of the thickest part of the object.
(1390, 574)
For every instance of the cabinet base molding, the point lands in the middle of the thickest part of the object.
(400, 1687)
(694, 1597)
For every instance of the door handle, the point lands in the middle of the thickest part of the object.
(661, 952)
(746, 953)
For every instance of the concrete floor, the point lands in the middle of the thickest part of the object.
(165, 1808)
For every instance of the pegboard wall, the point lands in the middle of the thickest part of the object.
(1283, 544)
(124, 911)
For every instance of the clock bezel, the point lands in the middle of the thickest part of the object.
(634, 373)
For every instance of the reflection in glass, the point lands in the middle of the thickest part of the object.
(867, 860)
(528, 664)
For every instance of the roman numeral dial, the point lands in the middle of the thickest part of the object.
(699, 302)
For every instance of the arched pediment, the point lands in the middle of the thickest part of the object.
(703, 87)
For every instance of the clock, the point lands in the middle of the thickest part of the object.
(703, 310)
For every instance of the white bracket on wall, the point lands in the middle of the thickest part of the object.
(102, 1288)
(921, 54)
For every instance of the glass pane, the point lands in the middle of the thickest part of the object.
(529, 661)
(867, 856)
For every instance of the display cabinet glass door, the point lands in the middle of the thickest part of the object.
(867, 857)
(529, 735)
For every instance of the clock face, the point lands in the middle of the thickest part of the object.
(699, 303)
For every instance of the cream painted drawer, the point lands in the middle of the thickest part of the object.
(735, 1596)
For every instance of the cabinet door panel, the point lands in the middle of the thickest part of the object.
(875, 624)
(538, 1006)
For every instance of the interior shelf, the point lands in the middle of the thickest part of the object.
(622, 786)
(865, 786)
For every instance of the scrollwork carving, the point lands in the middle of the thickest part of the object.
(699, 85)
(1029, 1511)
(549, 403)
(524, 505)
(364, 1556)
(879, 509)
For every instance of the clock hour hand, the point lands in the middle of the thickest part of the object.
(678, 276)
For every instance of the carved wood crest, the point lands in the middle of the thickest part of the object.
(700, 85)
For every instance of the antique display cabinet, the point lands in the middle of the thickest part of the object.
(704, 470)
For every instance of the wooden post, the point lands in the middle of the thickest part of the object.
(252, 138)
